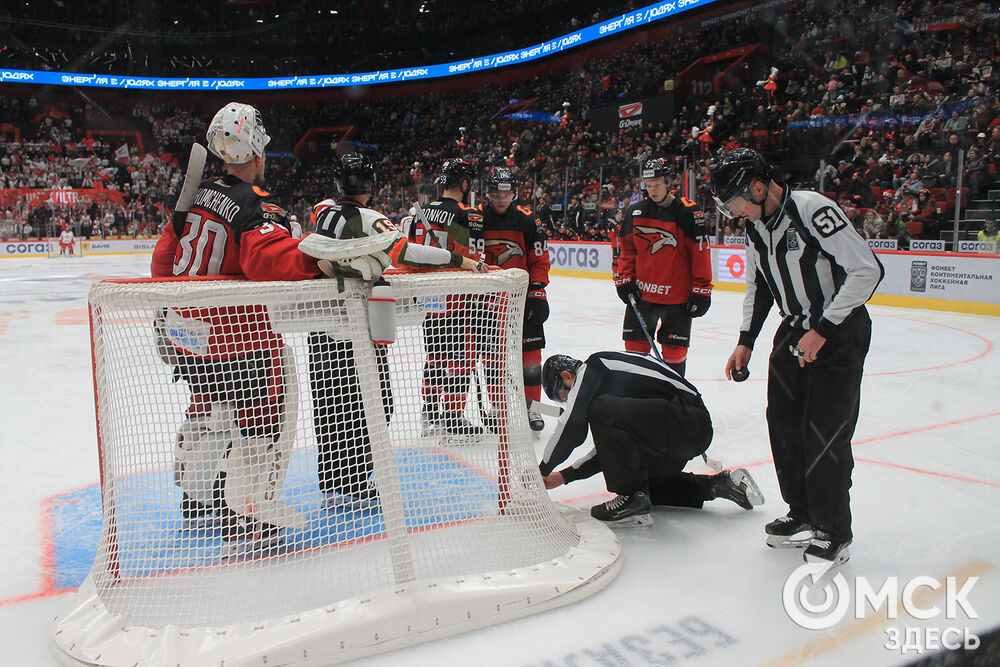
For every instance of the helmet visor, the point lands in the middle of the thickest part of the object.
(725, 206)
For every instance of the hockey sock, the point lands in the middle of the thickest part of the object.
(675, 357)
(532, 360)
(637, 346)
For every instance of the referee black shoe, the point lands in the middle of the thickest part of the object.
(788, 532)
(625, 510)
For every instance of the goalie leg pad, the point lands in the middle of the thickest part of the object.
(199, 456)
(258, 465)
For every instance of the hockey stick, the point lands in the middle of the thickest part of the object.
(714, 464)
(545, 408)
(195, 168)
(418, 214)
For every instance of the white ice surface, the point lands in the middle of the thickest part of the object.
(925, 496)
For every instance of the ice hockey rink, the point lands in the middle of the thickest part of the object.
(697, 588)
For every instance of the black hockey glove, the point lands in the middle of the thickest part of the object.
(699, 301)
(536, 306)
(627, 288)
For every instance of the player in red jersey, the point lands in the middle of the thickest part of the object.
(665, 266)
(514, 239)
(240, 373)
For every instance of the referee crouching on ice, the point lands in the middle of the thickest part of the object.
(647, 422)
(803, 253)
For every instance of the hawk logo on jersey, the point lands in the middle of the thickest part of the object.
(666, 238)
(512, 250)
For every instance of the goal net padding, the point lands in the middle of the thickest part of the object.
(463, 534)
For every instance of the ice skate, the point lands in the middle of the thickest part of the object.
(631, 511)
(737, 486)
(825, 549)
(788, 532)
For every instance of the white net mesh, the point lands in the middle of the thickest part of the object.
(261, 457)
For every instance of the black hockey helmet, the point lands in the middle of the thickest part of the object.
(552, 373)
(657, 166)
(731, 178)
(454, 171)
(355, 175)
(500, 178)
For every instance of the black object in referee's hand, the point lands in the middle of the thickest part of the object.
(740, 374)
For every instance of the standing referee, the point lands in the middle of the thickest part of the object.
(804, 254)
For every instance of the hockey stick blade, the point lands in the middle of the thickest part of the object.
(714, 464)
(195, 168)
(545, 408)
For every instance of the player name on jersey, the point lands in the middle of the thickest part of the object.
(439, 216)
(217, 202)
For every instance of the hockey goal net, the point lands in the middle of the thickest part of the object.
(277, 489)
(55, 248)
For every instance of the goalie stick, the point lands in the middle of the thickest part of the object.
(714, 464)
(192, 177)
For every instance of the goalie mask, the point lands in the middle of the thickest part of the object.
(354, 175)
(733, 176)
(236, 134)
(552, 380)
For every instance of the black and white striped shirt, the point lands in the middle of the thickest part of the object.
(623, 374)
(809, 259)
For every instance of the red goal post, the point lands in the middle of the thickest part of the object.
(463, 534)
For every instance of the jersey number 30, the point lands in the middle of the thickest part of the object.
(203, 247)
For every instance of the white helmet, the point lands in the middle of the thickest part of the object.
(237, 133)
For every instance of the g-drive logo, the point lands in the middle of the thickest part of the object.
(630, 110)
(630, 115)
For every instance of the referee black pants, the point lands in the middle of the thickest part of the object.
(339, 418)
(644, 443)
(811, 415)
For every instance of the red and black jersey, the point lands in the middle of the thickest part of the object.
(233, 228)
(454, 226)
(665, 250)
(517, 240)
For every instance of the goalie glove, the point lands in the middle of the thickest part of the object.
(536, 306)
(366, 256)
(699, 301)
(626, 287)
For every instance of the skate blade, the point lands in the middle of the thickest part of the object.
(842, 557)
(754, 494)
(799, 540)
(464, 439)
(634, 521)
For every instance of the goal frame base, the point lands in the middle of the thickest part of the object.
(385, 620)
